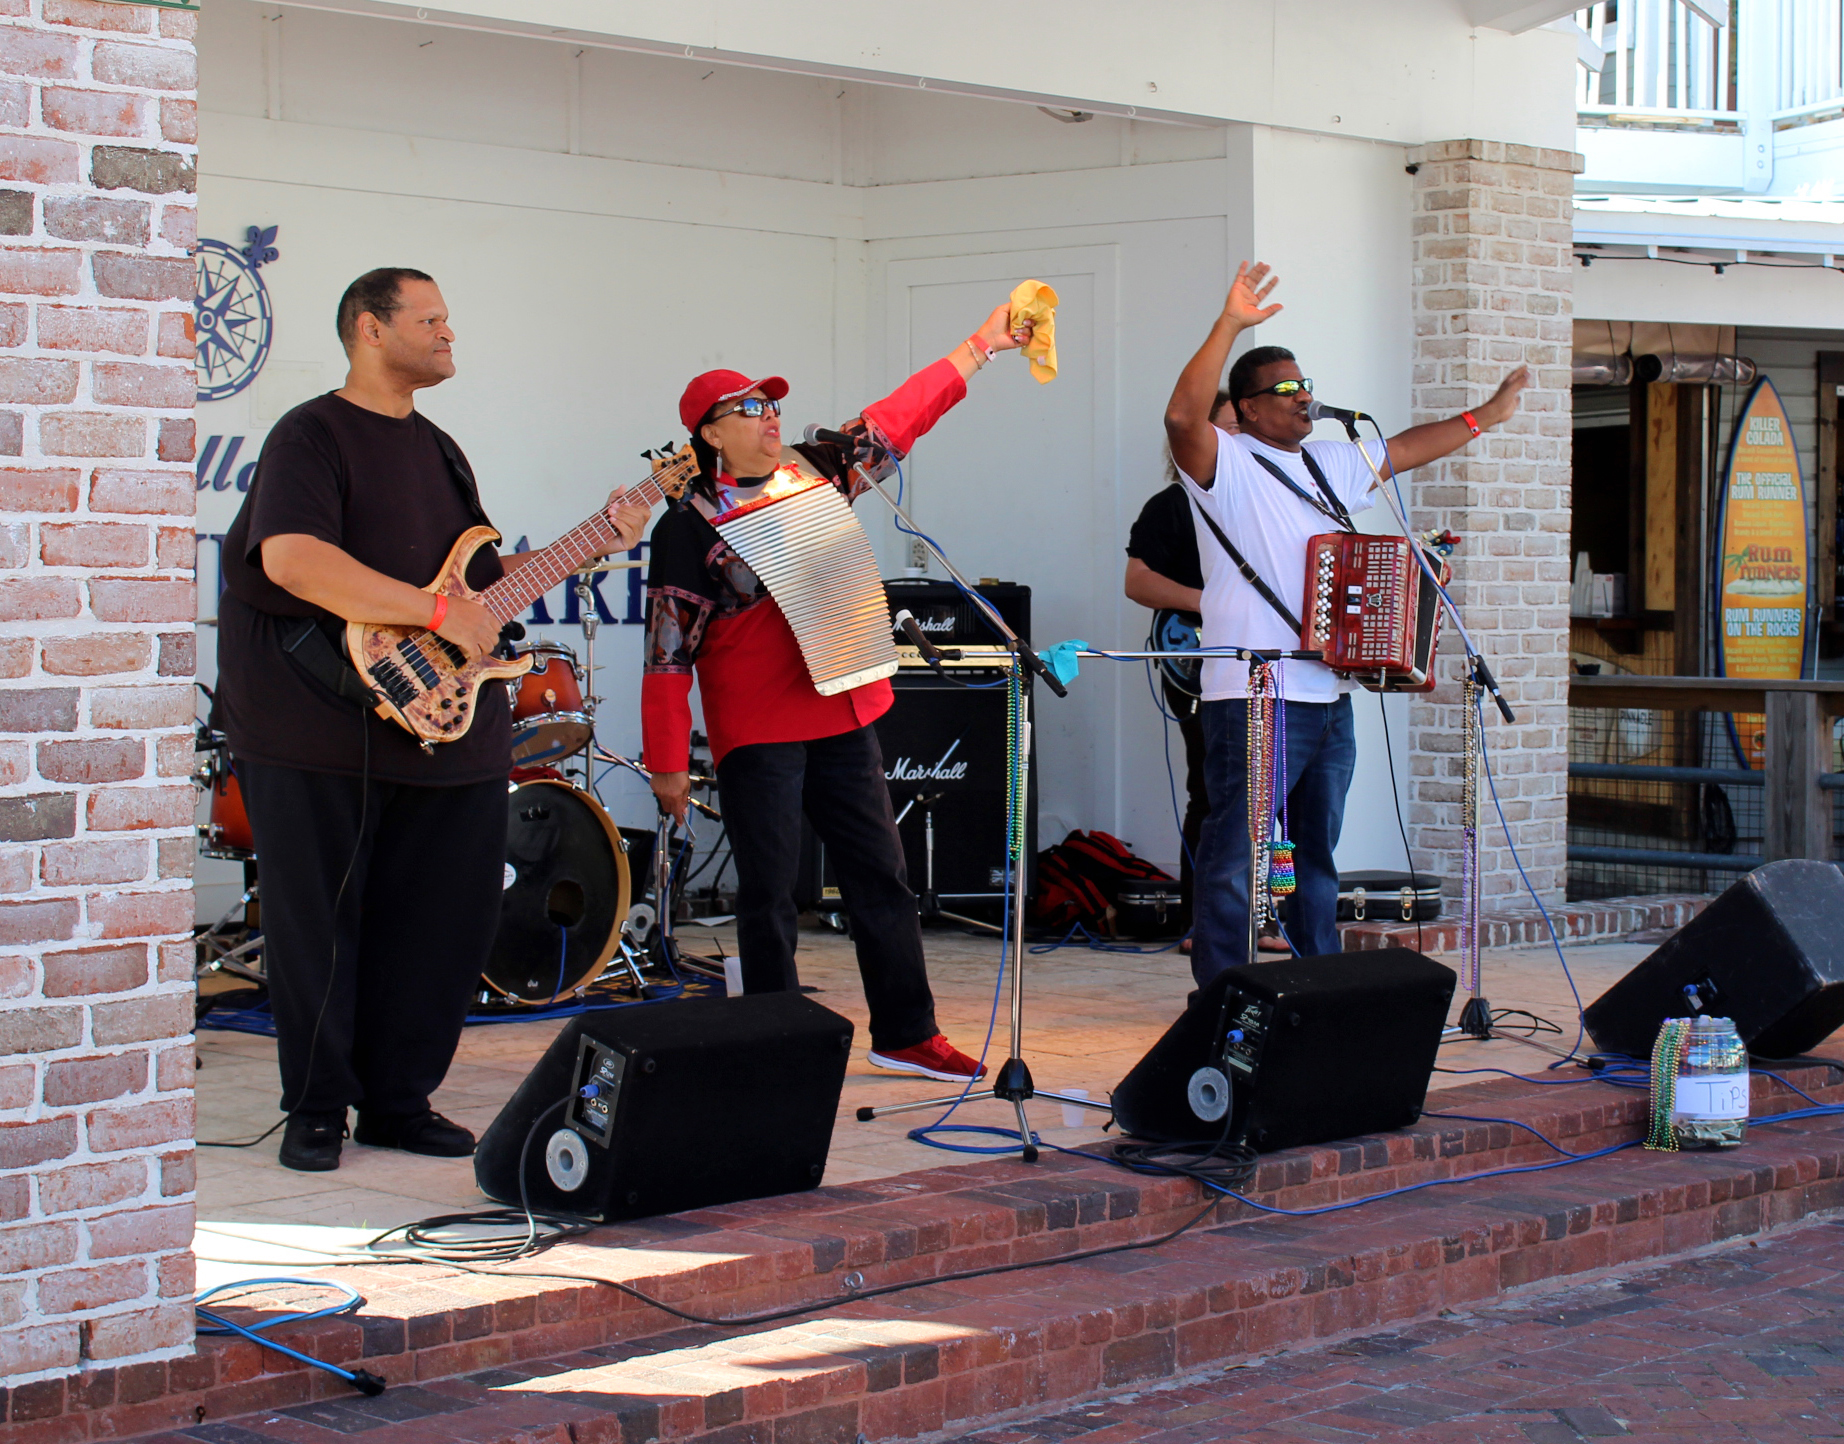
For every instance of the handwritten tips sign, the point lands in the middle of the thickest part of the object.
(1761, 589)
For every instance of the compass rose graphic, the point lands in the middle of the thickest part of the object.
(231, 315)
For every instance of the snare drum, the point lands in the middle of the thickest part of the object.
(549, 719)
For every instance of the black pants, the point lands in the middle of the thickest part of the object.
(839, 783)
(1183, 706)
(378, 1028)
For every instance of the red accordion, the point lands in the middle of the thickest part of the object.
(1372, 611)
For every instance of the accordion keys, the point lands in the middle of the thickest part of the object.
(1371, 611)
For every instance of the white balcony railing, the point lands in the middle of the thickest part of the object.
(1667, 62)
(1811, 60)
(1690, 62)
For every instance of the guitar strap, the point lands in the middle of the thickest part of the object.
(310, 646)
(1250, 575)
(1331, 506)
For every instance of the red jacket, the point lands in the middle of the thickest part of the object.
(709, 615)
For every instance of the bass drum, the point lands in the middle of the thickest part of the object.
(566, 895)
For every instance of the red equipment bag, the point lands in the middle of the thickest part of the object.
(1079, 880)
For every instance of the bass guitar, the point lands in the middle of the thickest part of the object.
(424, 682)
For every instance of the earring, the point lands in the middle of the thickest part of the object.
(720, 462)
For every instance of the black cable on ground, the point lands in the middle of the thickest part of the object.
(248, 1142)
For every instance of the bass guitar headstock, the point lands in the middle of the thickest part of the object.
(674, 468)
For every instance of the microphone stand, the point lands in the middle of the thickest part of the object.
(1012, 1083)
(1476, 1015)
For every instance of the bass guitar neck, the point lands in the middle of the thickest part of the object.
(424, 682)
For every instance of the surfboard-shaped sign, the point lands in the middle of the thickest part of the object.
(1763, 581)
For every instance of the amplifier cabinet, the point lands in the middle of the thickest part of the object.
(948, 619)
(945, 743)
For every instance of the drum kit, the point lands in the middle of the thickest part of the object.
(567, 913)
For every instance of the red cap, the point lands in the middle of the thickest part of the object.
(707, 390)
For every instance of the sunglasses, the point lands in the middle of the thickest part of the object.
(754, 407)
(1287, 388)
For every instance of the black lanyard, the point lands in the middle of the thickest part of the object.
(1335, 511)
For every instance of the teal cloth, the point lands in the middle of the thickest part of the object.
(1062, 661)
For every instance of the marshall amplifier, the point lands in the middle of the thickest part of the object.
(944, 761)
(948, 619)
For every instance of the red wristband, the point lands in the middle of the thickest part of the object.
(1467, 417)
(441, 611)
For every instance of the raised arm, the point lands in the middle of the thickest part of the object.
(1187, 415)
(1434, 439)
(908, 412)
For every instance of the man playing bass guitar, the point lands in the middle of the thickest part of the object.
(382, 857)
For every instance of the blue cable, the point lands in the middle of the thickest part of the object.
(1228, 1192)
(1540, 1082)
(1788, 1083)
(923, 1135)
(1485, 758)
(1511, 1122)
(215, 1323)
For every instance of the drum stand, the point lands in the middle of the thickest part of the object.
(1012, 1083)
(663, 944)
(928, 903)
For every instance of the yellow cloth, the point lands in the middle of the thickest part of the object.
(1035, 302)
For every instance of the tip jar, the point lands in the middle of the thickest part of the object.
(1699, 1085)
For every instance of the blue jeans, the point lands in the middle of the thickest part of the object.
(1321, 755)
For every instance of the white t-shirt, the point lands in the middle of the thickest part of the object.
(1270, 526)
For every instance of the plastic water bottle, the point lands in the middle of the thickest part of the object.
(1710, 1106)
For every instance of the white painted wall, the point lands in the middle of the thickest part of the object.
(1640, 290)
(605, 225)
(1409, 71)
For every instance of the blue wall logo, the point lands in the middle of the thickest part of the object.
(230, 313)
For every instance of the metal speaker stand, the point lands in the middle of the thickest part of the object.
(1012, 1083)
(928, 902)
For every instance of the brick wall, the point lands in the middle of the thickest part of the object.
(1492, 286)
(97, 219)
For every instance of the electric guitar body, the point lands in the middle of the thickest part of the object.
(425, 683)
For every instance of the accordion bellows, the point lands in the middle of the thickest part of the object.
(813, 556)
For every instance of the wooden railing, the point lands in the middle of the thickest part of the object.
(1796, 775)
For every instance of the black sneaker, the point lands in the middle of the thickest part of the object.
(427, 1132)
(310, 1141)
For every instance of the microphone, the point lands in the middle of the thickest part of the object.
(1319, 411)
(815, 434)
(906, 623)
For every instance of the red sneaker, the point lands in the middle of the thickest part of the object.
(936, 1058)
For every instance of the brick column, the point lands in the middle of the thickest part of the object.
(1492, 285)
(97, 156)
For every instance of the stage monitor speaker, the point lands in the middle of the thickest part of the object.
(1302, 1051)
(1768, 953)
(674, 1105)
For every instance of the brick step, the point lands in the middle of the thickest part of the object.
(424, 1324)
(959, 1353)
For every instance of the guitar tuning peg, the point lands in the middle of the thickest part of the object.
(648, 453)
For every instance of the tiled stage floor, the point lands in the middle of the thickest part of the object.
(1089, 1017)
